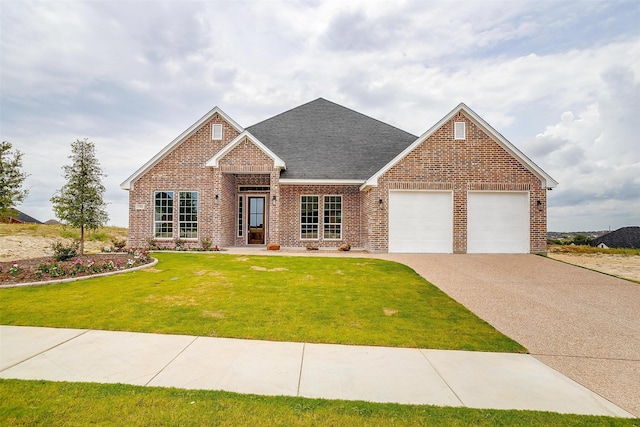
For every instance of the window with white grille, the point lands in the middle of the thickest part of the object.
(309, 217)
(188, 215)
(332, 217)
(163, 214)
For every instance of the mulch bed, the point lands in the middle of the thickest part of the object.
(42, 269)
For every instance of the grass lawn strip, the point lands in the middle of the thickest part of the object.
(320, 300)
(77, 404)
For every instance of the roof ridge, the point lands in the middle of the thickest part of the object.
(337, 105)
(369, 117)
(284, 112)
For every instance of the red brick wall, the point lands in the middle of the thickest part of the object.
(183, 169)
(442, 163)
(246, 158)
(289, 223)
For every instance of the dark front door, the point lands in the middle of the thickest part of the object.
(256, 221)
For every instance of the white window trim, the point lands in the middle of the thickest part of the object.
(197, 213)
(332, 223)
(153, 204)
(459, 131)
(307, 239)
(215, 126)
(240, 211)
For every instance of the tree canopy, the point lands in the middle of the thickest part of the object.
(11, 179)
(79, 202)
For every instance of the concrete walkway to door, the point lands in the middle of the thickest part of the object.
(582, 323)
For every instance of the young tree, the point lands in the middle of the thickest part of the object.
(11, 179)
(79, 202)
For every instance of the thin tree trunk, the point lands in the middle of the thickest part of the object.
(82, 239)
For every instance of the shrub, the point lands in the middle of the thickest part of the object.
(152, 244)
(118, 244)
(15, 268)
(64, 251)
(206, 243)
(179, 243)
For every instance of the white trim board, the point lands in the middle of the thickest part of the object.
(127, 184)
(215, 160)
(546, 180)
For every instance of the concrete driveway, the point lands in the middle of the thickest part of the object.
(582, 323)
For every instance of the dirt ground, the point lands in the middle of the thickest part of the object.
(624, 266)
(14, 248)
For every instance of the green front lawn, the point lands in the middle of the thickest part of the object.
(306, 299)
(78, 404)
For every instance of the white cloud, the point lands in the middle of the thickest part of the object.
(131, 77)
(596, 158)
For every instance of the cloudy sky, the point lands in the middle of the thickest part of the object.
(559, 79)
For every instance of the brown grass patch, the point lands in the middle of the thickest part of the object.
(172, 300)
(206, 272)
(213, 314)
(271, 270)
(389, 311)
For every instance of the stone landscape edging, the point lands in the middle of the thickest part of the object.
(75, 279)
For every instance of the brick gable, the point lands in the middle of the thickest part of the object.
(181, 169)
(443, 163)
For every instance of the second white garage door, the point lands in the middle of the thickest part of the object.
(498, 222)
(420, 222)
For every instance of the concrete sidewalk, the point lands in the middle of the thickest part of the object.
(378, 374)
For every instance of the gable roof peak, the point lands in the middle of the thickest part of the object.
(127, 184)
(324, 140)
(546, 180)
(246, 135)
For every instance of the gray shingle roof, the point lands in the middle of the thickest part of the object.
(26, 219)
(324, 140)
(625, 237)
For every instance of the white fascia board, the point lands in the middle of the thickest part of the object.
(293, 181)
(546, 180)
(215, 160)
(128, 183)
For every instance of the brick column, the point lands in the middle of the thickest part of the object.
(460, 220)
(274, 208)
(216, 211)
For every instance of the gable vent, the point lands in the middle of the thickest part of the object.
(459, 130)
(216, 131)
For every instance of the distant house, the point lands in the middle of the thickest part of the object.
(321, 175)
(22, 218)
(625, 237)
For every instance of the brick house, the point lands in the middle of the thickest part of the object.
(322, 175)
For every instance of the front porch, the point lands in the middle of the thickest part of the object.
(246, 210)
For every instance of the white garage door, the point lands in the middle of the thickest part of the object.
(420, 222)
(497, 222)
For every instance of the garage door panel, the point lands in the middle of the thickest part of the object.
(498, 222)
(420, 222)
